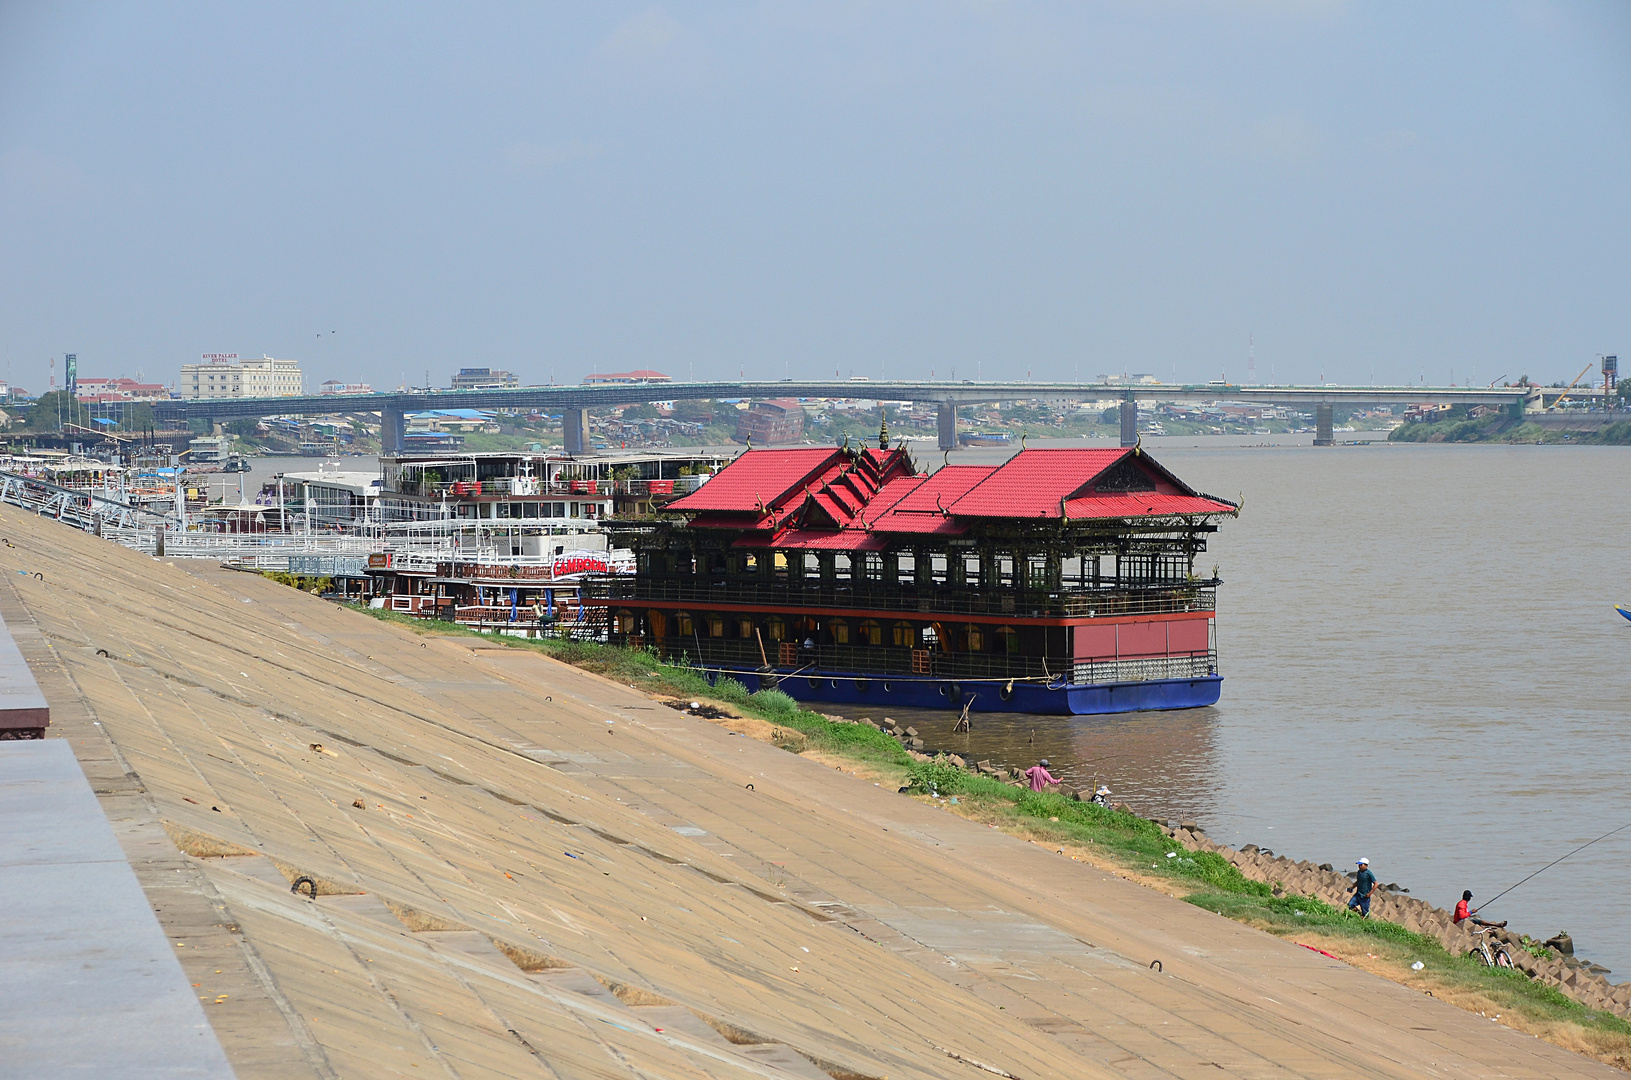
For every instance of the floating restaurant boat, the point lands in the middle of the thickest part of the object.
(1062, 581)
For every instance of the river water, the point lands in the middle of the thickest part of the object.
(1422, 665)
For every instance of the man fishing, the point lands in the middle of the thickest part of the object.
(1463, 913)
(1039, 776)
(1364, 884)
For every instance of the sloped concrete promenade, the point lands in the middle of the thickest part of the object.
(523, 870)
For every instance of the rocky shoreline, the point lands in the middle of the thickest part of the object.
(1576, 978)
(1559, 968)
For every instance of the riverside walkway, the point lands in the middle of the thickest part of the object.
(525, 870)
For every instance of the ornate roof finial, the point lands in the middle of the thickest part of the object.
(883, 427)
(1022, 437)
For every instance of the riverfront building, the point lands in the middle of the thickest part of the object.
(234, 378)
(480, 378)
(768, 422)
(1061, 581)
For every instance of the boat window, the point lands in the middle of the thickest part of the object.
(840, 631)
(812, 565)
(971, 567)
(750, 563)
(874, 566)
(841, 566)
(744, 628)
(776, 628)
(1009, 639)
(627, 622)
(937, 568)
(682, 620)
(976, 639)
(1005, 571)
(871, 633)
(906, 567)
(905, 635)
(716, 626)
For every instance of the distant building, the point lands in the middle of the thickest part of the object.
(335, 386)
(642, 376)
(480, 378)
(460, 420)
(101, 390)
(230, 377)
(768, 422)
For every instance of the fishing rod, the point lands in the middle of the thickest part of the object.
(1553, 863)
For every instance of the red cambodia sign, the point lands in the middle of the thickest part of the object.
(567, 565)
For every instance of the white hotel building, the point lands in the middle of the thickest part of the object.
(226, 376)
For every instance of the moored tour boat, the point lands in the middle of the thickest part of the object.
(1062, 581)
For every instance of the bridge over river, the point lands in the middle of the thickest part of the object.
(575, 402)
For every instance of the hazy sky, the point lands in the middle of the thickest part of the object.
(801, 189)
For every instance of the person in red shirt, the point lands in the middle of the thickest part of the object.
(1039, 776)
(1464, 913)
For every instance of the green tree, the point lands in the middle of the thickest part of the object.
(1112, 415)
(55, 409)
(243, 426)
(640, 412)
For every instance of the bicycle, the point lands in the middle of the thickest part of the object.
(1491, 952)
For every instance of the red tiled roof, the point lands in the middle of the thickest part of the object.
(760, 478)
(1141, 504)
(937, 493)
(1031, 483)
(1055, 483)
(921, 507)
(818, 498)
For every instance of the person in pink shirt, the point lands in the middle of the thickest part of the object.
(1038, 775)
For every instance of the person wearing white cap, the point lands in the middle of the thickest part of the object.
(1364, 884)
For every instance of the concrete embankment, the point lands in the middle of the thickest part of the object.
(522, 869)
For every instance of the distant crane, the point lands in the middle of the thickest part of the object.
(1572, 385)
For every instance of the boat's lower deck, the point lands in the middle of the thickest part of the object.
(1052, 697)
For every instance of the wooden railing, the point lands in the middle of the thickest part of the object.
(778, 596)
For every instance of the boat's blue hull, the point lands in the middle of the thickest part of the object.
(937, 693)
